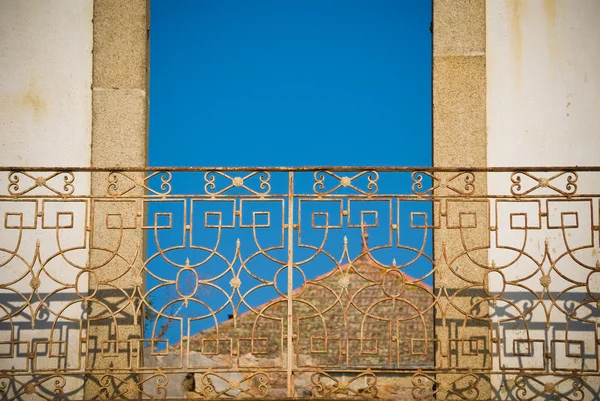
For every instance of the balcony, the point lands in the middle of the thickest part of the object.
(394, 283)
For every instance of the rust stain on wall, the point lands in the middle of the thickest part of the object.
(550, 11)
(30, 100)
(33, 100)
(515, 8)
(551, 27)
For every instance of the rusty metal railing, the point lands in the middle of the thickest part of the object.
(349, 282)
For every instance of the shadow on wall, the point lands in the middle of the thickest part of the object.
(50, 357)
(53, 348)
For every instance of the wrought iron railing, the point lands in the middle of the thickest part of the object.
(300, 282)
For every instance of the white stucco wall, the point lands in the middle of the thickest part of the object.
(543, 82)
(45, 84)
(543, 109)
(45, 120)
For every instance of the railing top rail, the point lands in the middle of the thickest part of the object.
(503, 169)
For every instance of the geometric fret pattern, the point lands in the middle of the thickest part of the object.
(304, 283)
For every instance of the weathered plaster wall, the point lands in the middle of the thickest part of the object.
(73, 78)
(543, 98)
(45, 120)
(543, 92)
(45, 79)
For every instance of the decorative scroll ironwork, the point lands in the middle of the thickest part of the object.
(301, 283)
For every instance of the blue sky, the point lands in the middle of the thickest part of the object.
(286, 82)
(290, 82)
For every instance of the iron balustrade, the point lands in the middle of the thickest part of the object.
(315, 282)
